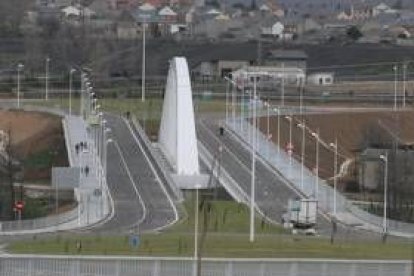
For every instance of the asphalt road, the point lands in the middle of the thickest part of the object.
(140, 200)
(272, 192)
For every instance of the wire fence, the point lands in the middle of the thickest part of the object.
(146, 266)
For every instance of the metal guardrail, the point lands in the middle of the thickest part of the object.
(325, 191)
(15, 265)
(162, 172)
(227, 181)
(392, 225)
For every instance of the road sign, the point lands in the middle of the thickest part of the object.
(134, 241)
(19, 205)
(295, 207)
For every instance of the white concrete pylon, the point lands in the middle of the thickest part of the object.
(177, 136)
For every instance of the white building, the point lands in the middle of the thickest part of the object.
(75, 11)
(275, 29)
(321, 78)
(269, 77)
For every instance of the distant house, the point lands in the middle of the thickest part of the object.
(208, 70)
(382, 9)
(122, 4)
(76, 11)
(270, 77)
(286, 58)
(166, 14)
(275, 30)
(320, 78)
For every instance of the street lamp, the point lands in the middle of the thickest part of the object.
(395, 69)
(20, 67)
(70, 89)
(233, 108)
(47, 79)
(253, 178)
(404, 81)
(335, 147)
(283, 84)
(290, 146)
(303, 127)
(316, 136)
(278, 128)
(385, 159)
(144, 26)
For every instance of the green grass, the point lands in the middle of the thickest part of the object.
(226, 237)
(216, 245)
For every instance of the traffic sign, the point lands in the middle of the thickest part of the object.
(134, 241)
(19, 205)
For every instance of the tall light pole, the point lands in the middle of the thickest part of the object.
(404, 81)
(303, 127)
(385, 159)
(144, 26)
(335, 147)
(278, 128)
(283, 85)
(268, 119)
(290, 145)
(253, 177)
(301, 84)
(395, 69)
(20, 67)
(233, 108)
(47, 79)
(105, 151)
(316, 136)
(227, 99)
(196, 213)
(70, 89)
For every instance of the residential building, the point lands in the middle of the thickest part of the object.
(286, 58)
(320, 78)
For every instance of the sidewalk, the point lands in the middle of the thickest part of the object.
(92, 194)
(311, 187)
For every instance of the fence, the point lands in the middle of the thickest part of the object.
(147, 266)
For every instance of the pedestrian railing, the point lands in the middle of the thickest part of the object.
(153, 266)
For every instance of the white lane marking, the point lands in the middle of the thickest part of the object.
(262, 213)
(158, 179)
(144, 214)
(225, 147)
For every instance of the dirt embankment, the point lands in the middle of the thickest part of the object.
(36, 141)
(351, 129)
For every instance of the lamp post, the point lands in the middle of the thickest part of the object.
(47, 79)
(253, 177)
(105, 151)
(144, 26)
(233, 108)
(404, 81)
(278, 128)
(303, 127)
(395, 69)
(20, 67)
(290, 145)
(385, 159)
(283, 85)
(196, 213)
(316, 190)
(70, 89)
(335, 147)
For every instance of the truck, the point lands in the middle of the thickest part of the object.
(301, 213)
